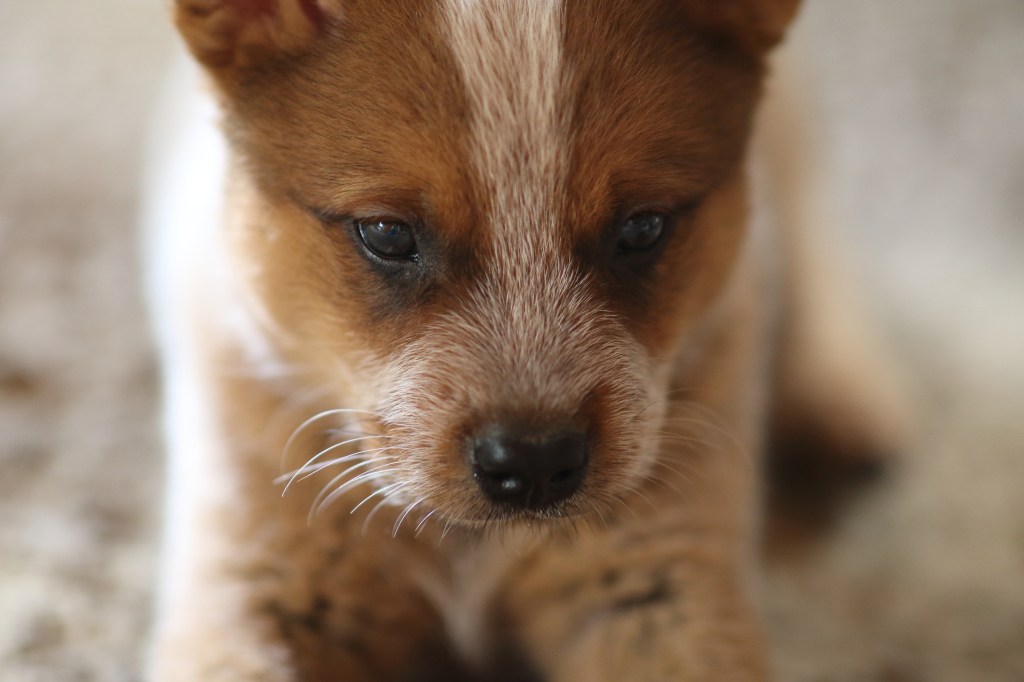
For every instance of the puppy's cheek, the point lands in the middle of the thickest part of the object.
(620, 427)
(422, 413)
(304, 287)
(646, 425)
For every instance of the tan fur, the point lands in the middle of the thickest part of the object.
(514, 135)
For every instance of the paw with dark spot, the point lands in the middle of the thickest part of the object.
(17, 382)
(814, 472)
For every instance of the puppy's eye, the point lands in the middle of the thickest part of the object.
(389, 239)
(640, 232)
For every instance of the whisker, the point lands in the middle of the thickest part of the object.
(401, 517)
(626, 506)
(423, 522)
(380, 491)
(324, 499)
(383, 461)
(668, 467)
(296, 472)
(718, 423)
(660, 483)
(349, 470)
(444, 531)
(305, 468)
(347, 431)
(312, 420)
(363, 455)
(355, 455)
(638, 492)
(380, 505)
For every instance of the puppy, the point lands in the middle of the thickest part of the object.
(470, 345)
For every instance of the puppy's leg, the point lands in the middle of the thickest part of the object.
(255, 592)
(648, 602)
(663, 595)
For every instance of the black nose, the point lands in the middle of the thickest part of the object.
(530, 472)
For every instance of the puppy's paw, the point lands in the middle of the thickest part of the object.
(828, 442)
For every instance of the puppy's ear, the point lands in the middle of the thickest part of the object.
(226, 35)
(757, 25)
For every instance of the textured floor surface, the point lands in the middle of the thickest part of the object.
(922, 107)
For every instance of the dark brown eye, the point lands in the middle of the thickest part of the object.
(640, 232)
(389, 239)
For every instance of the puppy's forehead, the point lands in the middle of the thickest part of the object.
(510, 58)
(579, 109)
(490, 116)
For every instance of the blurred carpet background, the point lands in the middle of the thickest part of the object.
(923, 114)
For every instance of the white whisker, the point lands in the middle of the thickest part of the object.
(380, 505)
(638, 492)
(716, 423)
(337, 479)
(444, 531)
(361, 455)
(381, 491)
(401, 517)
(312, 420)
(423, 522)
(306, 467)
(364, 454)
(665, 465)
(322, 502)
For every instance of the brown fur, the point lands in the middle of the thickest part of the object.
(360, 108)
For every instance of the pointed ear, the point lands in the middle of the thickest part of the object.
(757, 25)
(227, 34)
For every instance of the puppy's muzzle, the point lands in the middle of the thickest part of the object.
(529, 471)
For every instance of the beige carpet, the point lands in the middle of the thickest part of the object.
(923, 107)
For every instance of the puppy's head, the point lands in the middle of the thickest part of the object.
(491, 224)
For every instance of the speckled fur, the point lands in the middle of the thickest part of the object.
(519, 131)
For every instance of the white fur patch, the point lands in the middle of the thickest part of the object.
(510, 55)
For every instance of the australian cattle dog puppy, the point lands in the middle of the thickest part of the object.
(471, 343)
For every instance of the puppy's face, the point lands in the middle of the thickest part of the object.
(492, 225)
